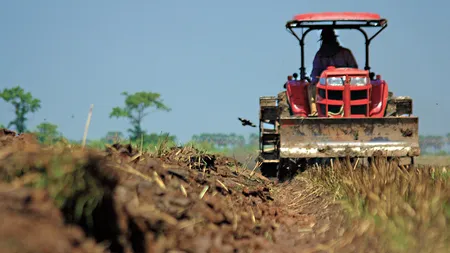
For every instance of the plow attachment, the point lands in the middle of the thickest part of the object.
(342, 137)
(288, 142)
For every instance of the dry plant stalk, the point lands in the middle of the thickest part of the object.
(202, 194)
(223, 185)
(405, 209)
(86, 128)
(257, 165)
(136, 156)
(183, 190)
(252, 215)
(127, 168)
(159, 180)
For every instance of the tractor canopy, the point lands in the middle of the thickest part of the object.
(339, 20)
(335, 20)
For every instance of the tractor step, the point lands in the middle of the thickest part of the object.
(270, 137)
(266, 131)
(269, 156)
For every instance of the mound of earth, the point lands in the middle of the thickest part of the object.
(11, 139)
(32, 223)
(180, 200)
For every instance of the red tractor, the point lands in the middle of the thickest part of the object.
(357, 117)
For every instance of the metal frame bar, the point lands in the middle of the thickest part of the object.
(382, 24)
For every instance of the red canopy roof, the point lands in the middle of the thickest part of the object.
(337, 16)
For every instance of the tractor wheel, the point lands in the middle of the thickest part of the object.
(288, 169)
(269, 170)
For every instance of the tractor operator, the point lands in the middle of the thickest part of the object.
(331, 53)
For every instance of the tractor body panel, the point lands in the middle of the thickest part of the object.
(297, 95)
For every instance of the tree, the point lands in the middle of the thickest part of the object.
(434, 142)
(134, 110)
(438, 142)
(154, 138)
(424, 143)
(253, 139)
(23, 103)
(220, 140)
(113, 136)
(47, 133)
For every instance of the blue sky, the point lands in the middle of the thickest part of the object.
(210, 60)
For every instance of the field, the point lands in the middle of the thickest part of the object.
(63, 198)
(436, 160)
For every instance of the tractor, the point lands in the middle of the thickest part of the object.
(357, 117)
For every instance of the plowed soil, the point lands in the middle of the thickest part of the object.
(177, 201)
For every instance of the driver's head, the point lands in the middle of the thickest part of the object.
(328, 35)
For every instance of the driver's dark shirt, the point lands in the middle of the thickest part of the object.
(343, 59)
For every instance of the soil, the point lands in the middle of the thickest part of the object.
(177, 201)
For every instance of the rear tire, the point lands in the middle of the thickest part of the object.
(288, 169)
(269, 170)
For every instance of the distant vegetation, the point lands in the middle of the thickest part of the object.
(135, 109)
(435, 144)
(23, 103)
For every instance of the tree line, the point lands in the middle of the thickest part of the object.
(434, 143)
(223, 140)
(135, 109)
